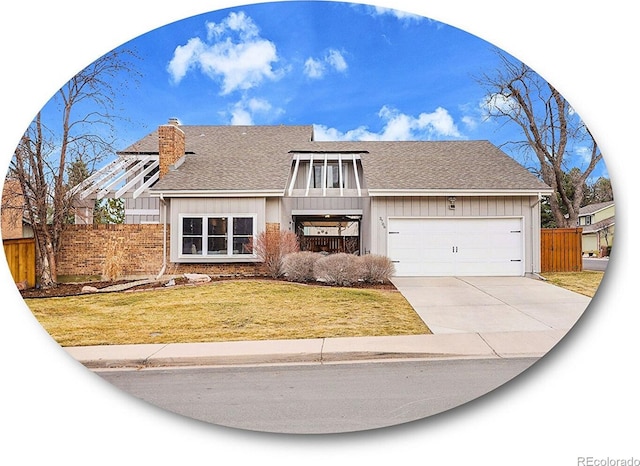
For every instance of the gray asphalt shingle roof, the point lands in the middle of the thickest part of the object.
(436, 165)
(230, 157)
(259, 158)
(592, 208)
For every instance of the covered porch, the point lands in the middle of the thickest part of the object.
(329, 233)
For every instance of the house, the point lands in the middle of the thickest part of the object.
(433, 207)
(598, 224)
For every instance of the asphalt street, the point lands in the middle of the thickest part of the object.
(318, 398)
(597, 264)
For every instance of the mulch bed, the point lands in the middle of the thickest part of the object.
(74, 289)
(65, 289)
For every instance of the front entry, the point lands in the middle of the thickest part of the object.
(329, 234)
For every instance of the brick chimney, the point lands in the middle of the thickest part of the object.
(171, 145)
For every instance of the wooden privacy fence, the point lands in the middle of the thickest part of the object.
(21, 257)
(561, 249)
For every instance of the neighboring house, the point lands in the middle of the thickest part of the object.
(598, 224)
(434, 208)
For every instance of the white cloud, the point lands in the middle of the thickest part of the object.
(316, 68)
(402, 16)
(439, 123)
(324, 133)
(235, 22)
(245, 111)
(241, 117)
(336, 60)
(185, 58)
(470, 122)
(313, 68)
(234, 53)
(499, 103)
(584, 155)
(397, 127)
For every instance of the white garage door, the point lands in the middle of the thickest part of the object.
(456, 246)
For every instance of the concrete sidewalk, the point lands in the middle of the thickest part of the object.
(470, 317)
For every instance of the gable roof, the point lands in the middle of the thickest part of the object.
(258, 159)
(595, 208)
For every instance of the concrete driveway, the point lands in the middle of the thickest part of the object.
(488, 305)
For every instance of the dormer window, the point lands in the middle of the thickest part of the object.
(325, 174)
(328, 176)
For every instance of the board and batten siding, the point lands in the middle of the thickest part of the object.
(318, 204)
(525, 207)
(143, 209)
(212, 206)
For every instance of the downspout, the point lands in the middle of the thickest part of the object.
(164, 237)
(535, 204)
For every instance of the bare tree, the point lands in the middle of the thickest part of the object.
(76, 126)
(551, 130)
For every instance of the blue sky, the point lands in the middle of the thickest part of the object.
(355, 72)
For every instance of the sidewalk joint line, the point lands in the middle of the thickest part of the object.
(145, 362)
(490, 347)
(322, 349)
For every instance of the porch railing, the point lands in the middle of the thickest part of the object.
(330, 244)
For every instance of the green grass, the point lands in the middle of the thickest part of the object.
(226, 311)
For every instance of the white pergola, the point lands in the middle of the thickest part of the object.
(127, 177)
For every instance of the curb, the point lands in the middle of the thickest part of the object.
(318, 351)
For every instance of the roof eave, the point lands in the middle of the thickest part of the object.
(458, 192)
(169, 193)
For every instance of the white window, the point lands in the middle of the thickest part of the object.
(330, 179)
(217, 236)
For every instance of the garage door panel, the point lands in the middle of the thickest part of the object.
(496, 268)
(441, 247)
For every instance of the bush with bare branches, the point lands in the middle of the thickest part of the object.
(271, 246)
(377, 268)
(339, 269)
(299, 266)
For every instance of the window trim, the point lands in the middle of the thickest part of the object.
(204, 256)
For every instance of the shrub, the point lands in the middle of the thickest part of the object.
(272, 246)
(376, 268)
(298, 266)
(338, 269)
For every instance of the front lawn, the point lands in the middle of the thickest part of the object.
(226, 311)
(585, 282)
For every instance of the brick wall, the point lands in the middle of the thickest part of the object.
(85, 249)
(135, 248)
